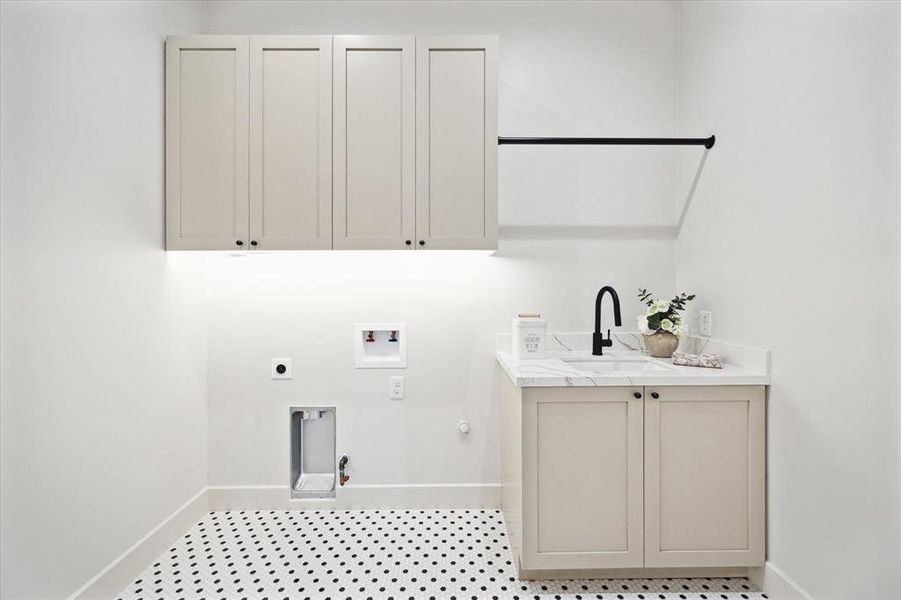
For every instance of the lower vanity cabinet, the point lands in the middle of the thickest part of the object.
(601, 478)
(582, 478)
(704, 476)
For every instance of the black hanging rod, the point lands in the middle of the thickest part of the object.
(608, 141)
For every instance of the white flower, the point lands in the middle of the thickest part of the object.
(681, 329)
(658, 306)
(667, 325)
(643, 325)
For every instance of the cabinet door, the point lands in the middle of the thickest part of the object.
(582, 463)
(374, 142)
(456, 147)
(291, 142)
(704, 476)
(206, 142)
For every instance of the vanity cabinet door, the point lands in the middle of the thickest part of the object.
(206, 142)
(291, 142)
(456, 142)
(582, 478)
(704, 476)
(374, 142)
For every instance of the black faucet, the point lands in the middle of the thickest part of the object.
(598, 343)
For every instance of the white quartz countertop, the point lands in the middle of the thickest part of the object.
(619, 367)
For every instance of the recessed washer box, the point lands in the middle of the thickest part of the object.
(312, 451)
(380, 345)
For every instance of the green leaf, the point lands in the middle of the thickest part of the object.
(645, 296)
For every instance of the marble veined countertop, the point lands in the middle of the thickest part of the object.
(620, 367)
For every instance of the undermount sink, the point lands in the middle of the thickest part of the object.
(614, 365)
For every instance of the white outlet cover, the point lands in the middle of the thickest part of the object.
(396, 388)
(274, 369)
(705, 323)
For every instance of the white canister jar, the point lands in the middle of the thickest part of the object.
(529, 338)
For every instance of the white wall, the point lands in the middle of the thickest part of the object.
(792, 242)
(304, 306)
(103, 355)
(565, 69)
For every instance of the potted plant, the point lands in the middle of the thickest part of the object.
(662, 325)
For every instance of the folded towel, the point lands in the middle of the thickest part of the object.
(711, 361)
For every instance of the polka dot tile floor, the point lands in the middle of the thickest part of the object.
(378, 554)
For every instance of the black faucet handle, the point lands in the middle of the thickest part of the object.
(605, 342)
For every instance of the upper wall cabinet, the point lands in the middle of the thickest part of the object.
(374, 206)
(291, 142)
(361, 142)
(206, 142)
(456, 149)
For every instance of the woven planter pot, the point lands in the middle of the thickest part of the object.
(661, 344)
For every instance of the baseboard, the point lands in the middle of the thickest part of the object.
(123, 570)
(278, 497)
(776, 584)
(635, 573)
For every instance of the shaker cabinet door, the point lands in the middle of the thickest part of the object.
(291, 142)
(582, 482)
(704, 476)
(206, 142)
(456, 147)
(374, 142)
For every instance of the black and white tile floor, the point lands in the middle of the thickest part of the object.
(378, 554)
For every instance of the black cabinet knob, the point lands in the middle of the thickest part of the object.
(655, 395)
(408, 242)
(239, 243)
(253, 242)
(637, 395)
(422, 242)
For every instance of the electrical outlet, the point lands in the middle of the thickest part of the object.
(705, 323)
(396, 389)
(280, 368)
